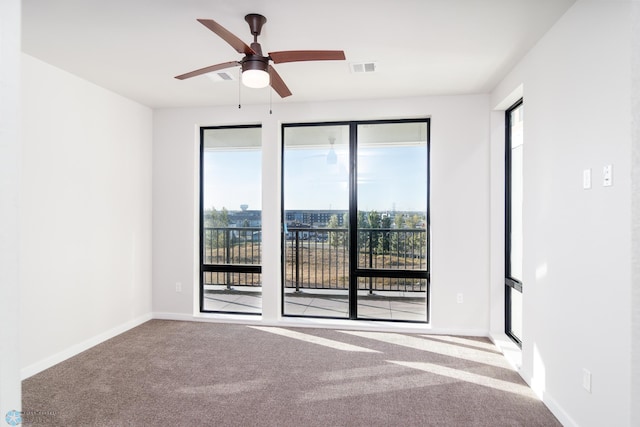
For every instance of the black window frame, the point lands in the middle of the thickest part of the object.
(219, 268)
(355, 272)
(509, 281)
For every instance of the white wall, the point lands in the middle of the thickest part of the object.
(635, 210)
(85, 246)
(9, 206)
(459, 200)
(577, 285)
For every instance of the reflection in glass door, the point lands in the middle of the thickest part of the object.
(355, 220)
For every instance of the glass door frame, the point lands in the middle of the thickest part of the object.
(510, 282)
(354, 271)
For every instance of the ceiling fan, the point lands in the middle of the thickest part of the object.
(256, 70)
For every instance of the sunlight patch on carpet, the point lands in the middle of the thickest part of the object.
(464, 341)
(380, 384)
(225, 388)
(357, 373)
(313, 339)
(432, 346)
(469, 377)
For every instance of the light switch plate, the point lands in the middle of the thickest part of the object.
(607, 176)
(586, 380)
(586, 179)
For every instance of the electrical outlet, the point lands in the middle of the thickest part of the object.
(460, 298)
(586, 379)
(178, 287)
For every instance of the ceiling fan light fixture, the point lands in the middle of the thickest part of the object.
(256, 79)
(254, 74)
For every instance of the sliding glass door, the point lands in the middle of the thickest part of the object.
(355, 220)
(316, 203)
(392, 171)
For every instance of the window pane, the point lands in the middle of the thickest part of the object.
(316, 202)
(231, 219)
(516, 313)
(516, 192)
(392, 219)
(394, 298)
(392, 196)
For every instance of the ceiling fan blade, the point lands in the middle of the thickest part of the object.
(208, 69)
(278, 84)
(226, 35)
(307, 55)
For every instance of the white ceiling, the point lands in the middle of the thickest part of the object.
(422, 47)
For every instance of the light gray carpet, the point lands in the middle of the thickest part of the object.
(168, 373)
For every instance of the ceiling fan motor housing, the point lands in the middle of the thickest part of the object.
(255, 62)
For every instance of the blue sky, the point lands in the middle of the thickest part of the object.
(387, 177)
(233, 178)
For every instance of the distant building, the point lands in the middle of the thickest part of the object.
(245, 218)
(314, 218)
(304, 218)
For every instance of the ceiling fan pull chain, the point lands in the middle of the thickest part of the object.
(270, 100)
(239, 89)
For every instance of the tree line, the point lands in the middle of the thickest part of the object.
(375, 232)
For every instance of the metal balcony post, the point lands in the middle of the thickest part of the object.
(227, 235)
(370, 260)
(297, 261)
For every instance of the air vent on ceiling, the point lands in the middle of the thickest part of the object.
(363, 67)
(221, 76)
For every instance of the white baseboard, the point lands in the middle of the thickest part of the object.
(50, 361)
(211, 318)
(558, 411)
(172, 316)
(513, 354)
(509, 350)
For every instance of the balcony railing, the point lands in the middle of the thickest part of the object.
(319, 258)
(228, 246)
